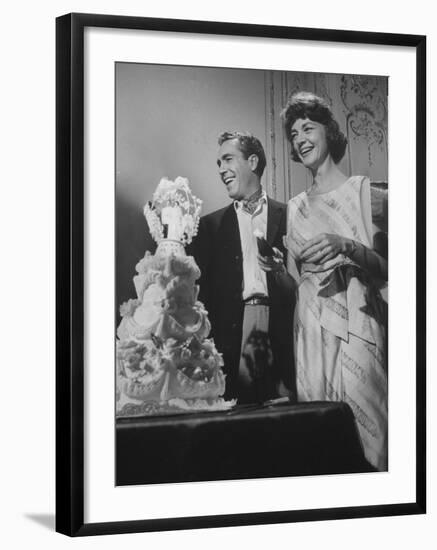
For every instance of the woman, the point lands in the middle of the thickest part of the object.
(340, 320)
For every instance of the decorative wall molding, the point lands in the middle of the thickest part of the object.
(359, 104)
(272, 133)
(365, 103)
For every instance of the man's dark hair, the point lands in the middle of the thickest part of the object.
(248, 145)
(304, 105)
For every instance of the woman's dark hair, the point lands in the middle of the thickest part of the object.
(304, 105)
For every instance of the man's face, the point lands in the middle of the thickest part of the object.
(236, 172)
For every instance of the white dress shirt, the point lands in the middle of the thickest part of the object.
(254, 278)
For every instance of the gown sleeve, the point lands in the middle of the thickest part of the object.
(379, 204)
(374, 206)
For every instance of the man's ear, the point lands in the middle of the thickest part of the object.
(253, 161)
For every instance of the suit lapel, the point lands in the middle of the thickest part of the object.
(273, 218)
(230, 233)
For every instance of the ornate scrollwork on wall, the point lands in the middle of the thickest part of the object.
(310, 82)
(321, 88)
(366, 111)
(295, 84)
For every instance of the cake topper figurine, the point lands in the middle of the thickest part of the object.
(174, 212)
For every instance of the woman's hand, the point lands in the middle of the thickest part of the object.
(324, 247)
(272, 264)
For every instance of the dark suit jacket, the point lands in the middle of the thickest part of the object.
(217, 250)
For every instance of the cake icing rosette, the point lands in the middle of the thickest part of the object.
(142, 370)
(197, 371)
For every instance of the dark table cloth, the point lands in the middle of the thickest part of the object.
(246, 442)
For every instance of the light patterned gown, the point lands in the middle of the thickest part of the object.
(339, 325)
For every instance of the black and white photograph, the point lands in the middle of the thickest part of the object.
(240, 274)
(251, 258)
(218, 306)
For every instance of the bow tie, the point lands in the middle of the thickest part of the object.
(251, 204)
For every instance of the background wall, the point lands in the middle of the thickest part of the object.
(168, 119)
(168, 122)
(27, 278)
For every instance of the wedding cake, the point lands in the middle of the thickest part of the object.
(165, 361)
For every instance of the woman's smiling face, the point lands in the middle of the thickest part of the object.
(308, 139)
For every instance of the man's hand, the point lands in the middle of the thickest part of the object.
(272, 264)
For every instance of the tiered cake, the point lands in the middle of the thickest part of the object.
(165, 362)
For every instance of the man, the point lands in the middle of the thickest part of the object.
(250, 311)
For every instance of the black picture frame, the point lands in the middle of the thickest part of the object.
(70, 488)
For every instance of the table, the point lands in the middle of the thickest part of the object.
(246, 442)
